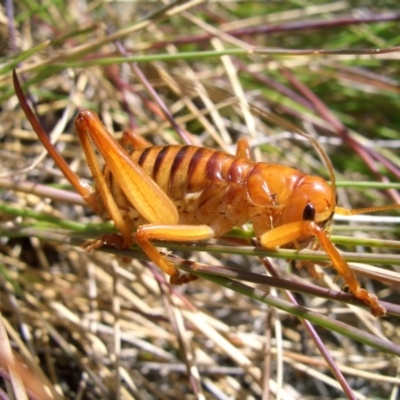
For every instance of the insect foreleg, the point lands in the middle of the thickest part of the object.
(296, 230)
(181, 233)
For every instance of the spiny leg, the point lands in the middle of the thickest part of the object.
(182, 233)
(102, 187)
(81, 187)
(293, 231)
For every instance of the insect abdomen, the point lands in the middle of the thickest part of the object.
(179, 170)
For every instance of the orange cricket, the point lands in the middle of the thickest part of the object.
(188, 193)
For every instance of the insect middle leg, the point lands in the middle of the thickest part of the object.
(176, 233)
(243, 148)
(130, 138)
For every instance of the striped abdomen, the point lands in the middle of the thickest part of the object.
(200, 181)
(214, 188)
(179, 170)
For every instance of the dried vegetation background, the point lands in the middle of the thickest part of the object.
(96, 326)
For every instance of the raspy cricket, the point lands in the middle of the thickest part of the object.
(186, 193)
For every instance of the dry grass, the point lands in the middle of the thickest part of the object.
(93, 326)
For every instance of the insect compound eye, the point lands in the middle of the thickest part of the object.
(309, 212)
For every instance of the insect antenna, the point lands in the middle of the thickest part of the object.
(222, 95)
(347, 211)
(322, 153)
